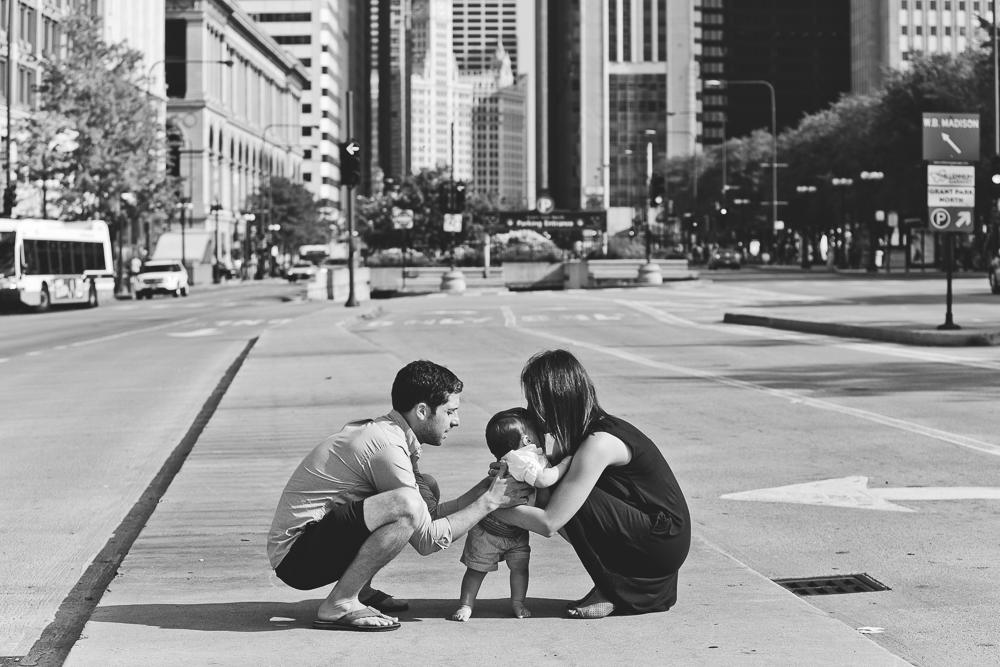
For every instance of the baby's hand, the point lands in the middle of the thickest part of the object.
(463, 614)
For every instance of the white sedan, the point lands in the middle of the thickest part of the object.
(160, 277)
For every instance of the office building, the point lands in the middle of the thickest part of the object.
(314, 32)
(499, 132)
(612, 78)
(232, 125)
(802, 49)
(441, 103)
(479, 25)
(887, 33)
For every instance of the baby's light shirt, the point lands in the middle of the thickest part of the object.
(525, 463)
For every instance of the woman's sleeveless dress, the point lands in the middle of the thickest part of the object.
(634, 530)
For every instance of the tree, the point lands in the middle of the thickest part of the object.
(97, 91)
(293, 208)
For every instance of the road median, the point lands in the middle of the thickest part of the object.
(901, 334)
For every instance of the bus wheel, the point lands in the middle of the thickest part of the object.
(92, 297)
(44, 301)
(994, 281)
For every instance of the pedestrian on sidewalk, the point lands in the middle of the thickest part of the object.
(353, 503)
(619, 504)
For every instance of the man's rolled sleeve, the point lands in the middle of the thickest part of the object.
(392, 469)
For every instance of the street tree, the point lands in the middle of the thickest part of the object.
(293, 209)
(96, 94)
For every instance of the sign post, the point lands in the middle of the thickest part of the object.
(951, 147)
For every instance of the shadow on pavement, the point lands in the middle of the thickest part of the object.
(275, 616)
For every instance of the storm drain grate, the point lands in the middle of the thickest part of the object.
(851, 583)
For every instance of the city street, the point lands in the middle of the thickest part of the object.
(94, 402)
(903, 439)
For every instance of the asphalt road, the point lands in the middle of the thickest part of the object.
(93, 403)
(735, 409)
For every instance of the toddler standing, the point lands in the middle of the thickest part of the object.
(513, 438)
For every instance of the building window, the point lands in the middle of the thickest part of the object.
(920, 30)
(307, 108)
(933, 29)
(904, 4)
(612, 32)
(293, 39)
(29, 27)
(307, 131)
(933, 5)
(904, 30)
(175, 72)
(306, 62)
(918, 4)
(26, 87)
(307, 154)
(282, 17)
(947, 31)
(307, 177)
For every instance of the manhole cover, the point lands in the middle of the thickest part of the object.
(850, 583)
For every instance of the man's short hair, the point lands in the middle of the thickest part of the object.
(505, 429)
(423, 381)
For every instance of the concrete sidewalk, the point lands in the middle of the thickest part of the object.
(197, 589)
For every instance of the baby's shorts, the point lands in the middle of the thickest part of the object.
(484, 550)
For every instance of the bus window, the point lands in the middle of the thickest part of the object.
(29, 265)
(66, 256)
(79, 260)
(95, 257)
(44, 265)
(7, 240)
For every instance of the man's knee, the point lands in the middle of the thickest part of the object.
(398, 505)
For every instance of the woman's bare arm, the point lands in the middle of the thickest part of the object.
(595, 454)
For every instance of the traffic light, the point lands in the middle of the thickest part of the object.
(458, 203)
(446, 196)
(655, 190)
(350, 163)
(9, 199)
(995, 177)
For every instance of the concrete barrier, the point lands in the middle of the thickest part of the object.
(334, 285)
(533, 275)
(621, 270)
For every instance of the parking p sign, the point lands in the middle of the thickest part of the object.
(951, 197)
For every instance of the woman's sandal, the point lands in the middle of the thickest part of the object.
(576, 603)
(593, 610)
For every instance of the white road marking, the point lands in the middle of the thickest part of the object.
(853, 492)
(380, 323)
(900, 424)
(59, 347)
(3, 360)
(280, 322)
(129, 333)
(197, 333)
(33, 354)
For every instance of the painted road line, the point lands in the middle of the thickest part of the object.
(33, 354)
(3, 360)
(853, 492)
(791, 396)
(197, 333)
(123, 334)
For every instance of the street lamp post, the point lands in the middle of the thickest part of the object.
(840, 244)
(649, 273)
(874, 177)
(716, 83)
(184, 206)
(806, 240)
(217, 273)
(182, 61)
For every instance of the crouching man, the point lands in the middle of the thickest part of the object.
(353, 503)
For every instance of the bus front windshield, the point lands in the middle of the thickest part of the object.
(7, 253)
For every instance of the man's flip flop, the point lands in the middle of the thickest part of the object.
(347, 622)
(385, 602)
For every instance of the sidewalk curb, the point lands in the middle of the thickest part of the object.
(884, 334)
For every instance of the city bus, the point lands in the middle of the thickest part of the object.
(46, 262)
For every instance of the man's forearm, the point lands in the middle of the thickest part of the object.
(467, 517)
(450, 507)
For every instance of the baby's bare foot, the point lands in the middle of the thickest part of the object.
(463, 614)
(520, 611)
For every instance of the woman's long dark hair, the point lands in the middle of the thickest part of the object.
(562, 398)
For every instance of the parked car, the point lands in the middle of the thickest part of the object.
(300, 270)
(160, 277)
(725, 258)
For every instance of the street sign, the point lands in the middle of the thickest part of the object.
(951, 197)
(453, 222)
(951, 137)
(505, 221)
(402, 218)
(544, 204)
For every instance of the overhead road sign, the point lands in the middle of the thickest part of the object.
(501, 221)
(951, 137)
